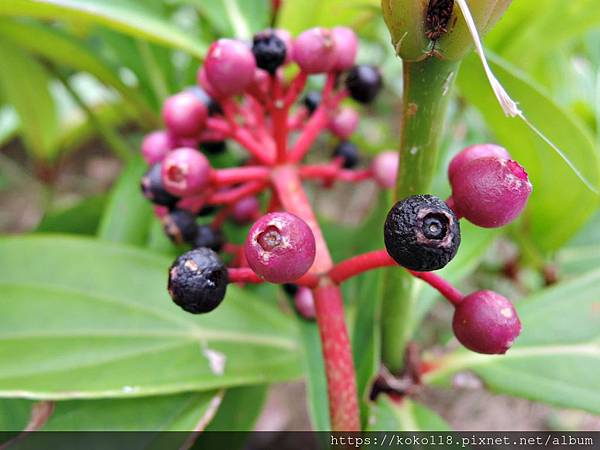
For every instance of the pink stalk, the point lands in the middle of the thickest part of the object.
(279, 113)
(236, 194)
(295, 89)
(247, 275)
(337, 352)
(242, 137)
(327, 172)
(235, 175)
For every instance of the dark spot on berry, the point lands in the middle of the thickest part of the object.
(269, 51)
(198, 281)
(153, 189)
(213, 147)
(311, 101)
(180, 226)
(364, 83)
(349, 154)
(270, 239)
(207, 236)
(422, 233)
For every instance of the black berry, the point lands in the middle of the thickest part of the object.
(198, 281)
(422, 233)
(290, 289)
(213, 147)
(180, 225)
(212, 106)
(348, 152)
(269, 51)
(311, 101)
(153, 189)
(364, 83)
(207, 236)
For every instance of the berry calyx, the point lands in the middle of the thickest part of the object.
(311, 101)
(229, 67)
(346, 46)
(385, 168)
(486, 322)
(154, 190)
(349, 154)
(184, 114)
(421, 233)
(344, 122)
(364, 83)
(185, 172)
(269, 51)
(314, 50)
(491, 192)
(155, 146)
(280, 247)
(473, 152)
(207, 236)
(180, 226)
(198, 281)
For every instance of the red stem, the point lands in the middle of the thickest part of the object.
(279, 113)
(327, 172)
(247, 275)
(236, 194)
(242, 137)
(337, 352)
(235, 175)
(379, 258)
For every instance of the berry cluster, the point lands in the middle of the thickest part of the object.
(253, 95)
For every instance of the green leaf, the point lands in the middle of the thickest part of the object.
(90, 319)
(299, 15)
(9, 124)
(82, 218)
(555, 357)
(127, 216)
(25, 84)
(406, 415)
(127, 16)
(582, 253)
(556, 188)
(60, 47)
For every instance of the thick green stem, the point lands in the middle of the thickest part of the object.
(427, 86)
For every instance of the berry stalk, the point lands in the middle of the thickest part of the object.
(337, 352)
(427, 84)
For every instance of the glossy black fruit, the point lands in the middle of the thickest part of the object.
(207, 236)
(153, 189)
(311, 101)
(180, 226)
(269, 51)
(348, 152)
(364, 83)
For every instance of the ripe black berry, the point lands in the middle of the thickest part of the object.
(422, 233)
(311, 101)
(198, 281)
(180, 226)
(269, 51)
(207, 236)
(154, 190)
(213, 147)
(364, 83)
(348, 152)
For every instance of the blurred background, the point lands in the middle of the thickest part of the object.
(81, 82)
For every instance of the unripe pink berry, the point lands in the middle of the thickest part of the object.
(204, 83)
(475, 152)
(346, 46)
(184, 114)
(344, 122)
(304, 302)
(486, 322)
(185, 172)
(261, 83)
(385, 168)
(491, 192)
(229, 67)
(287, 39)
(280, 247)
(246, 210)
(314, 50)
(156, 145)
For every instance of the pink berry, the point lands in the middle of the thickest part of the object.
(486, 322)
(184, 114)
(491, 192)
(246, 210)
(155, 146)
(260, 85)
(304, 302)
(204, 83)
(314, 51)
(346, 46)
(229, 67)
(280, 247)
(475, 152)
(344, 123)
(385, 168)
(185, 172)
(287, 39)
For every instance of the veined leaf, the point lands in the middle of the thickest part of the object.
(90, 319)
